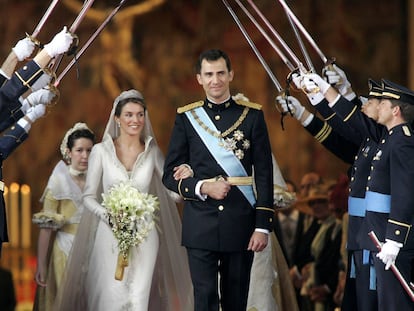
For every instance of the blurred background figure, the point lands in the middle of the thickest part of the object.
(7, 294)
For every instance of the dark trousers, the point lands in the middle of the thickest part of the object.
(234, 269)
(358, 296)
(391, 295)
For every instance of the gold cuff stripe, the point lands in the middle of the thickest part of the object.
(323, 133)
(351, 113)
(265, 209)
(399, 223)
(331, 116)
(27, 83)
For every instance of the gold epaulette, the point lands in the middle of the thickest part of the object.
(249, 104)
(190, 106)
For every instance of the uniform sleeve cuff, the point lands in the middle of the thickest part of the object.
(24, 124)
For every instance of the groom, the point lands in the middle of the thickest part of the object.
(224, 221)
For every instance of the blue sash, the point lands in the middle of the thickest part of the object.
(225, 158)
(356, 206)
(378, 202)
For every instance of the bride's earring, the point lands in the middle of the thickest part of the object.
(118, 123)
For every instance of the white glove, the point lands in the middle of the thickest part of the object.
(24, 48)
(337, 77)
(36, 112)
(389, 252)
(313, 83)
(42, 96)
(43, 80)
(295, 106)
(60, 43)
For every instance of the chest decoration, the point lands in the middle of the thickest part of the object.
(365, 151)
(377, 156)
(235, 142)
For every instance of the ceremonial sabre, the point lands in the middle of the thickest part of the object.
(305, 33)
(274, 46)
(44, 19)
(301, 45)
(276, 34)
(87, 4)
(253, 46)
(89, 42)
(394, 268)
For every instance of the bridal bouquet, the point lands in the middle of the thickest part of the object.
(131, 215)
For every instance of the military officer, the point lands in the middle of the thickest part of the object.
(223, 140)
(389, 197)
(11, 107)
(10, 140)
(360, 290)
(13, 111)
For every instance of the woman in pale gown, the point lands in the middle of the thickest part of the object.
(270, 287)
(157, 277)
(61, 212)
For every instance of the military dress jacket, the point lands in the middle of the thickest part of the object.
(389, 197)
(347, 137)
(12, 89)
(222, 225)
(10, 140)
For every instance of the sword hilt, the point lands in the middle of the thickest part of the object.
(329, 66)
(35, 41)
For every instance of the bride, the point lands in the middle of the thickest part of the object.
(157, 277)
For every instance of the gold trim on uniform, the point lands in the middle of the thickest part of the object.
(324, 132)
(228, 143)
(249, 104)
(372, 93)
(190, 106)
(392, 95)
(27, 83)
(399, 223)
(234, 181)
(330, 117)
(350, 114)
(265, 209)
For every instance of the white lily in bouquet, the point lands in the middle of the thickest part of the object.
(131, 215)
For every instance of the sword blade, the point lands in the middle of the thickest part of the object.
(86, 6)
(304, 32)
(253, 46)
(301, 45)
(89, 42)
(394, 268)
(44, 18)
(275, 34)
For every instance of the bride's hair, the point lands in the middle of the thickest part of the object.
(125, 101)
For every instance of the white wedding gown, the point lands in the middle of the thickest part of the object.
(157, 277)
(104, 292)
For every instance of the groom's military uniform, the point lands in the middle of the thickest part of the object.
(222, 141)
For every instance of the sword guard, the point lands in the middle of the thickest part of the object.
(329, 66)
(74, 46)
(56, 98)
(35, 41)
